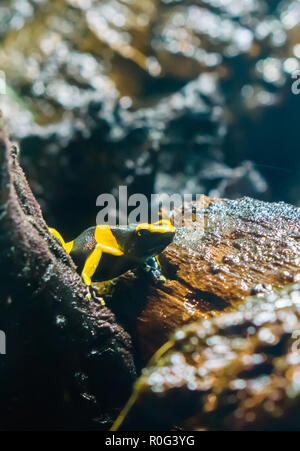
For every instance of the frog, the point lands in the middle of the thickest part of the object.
(103, 252)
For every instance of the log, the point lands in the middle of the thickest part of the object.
(225, 251)
(237, 371)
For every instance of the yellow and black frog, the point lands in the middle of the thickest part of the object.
(104, 252)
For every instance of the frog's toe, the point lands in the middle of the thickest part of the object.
(94, 294)
(157, 276)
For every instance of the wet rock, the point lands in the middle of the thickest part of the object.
(14, 14)
(135, 149)
(227, 250)
(234, 183)
(70, 87)
(239, 371)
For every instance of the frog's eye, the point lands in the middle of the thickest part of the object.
(142, 233)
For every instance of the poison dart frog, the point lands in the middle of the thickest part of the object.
(104, 252)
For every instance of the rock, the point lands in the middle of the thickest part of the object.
(84, 127)
(68, 364)
(238, 371)
(226, 251)
(121, 148)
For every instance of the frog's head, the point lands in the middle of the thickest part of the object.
(148, 240)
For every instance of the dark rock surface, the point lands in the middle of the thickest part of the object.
(68, 364)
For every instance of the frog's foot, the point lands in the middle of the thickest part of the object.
(152, 266)
(93, 294)
(159, 276)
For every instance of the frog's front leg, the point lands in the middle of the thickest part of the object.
(152, 265)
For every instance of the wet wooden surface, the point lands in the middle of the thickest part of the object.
(226, 251)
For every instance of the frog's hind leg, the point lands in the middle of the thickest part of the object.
(91, 264)
(67, 246)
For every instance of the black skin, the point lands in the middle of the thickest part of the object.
(137, 246)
